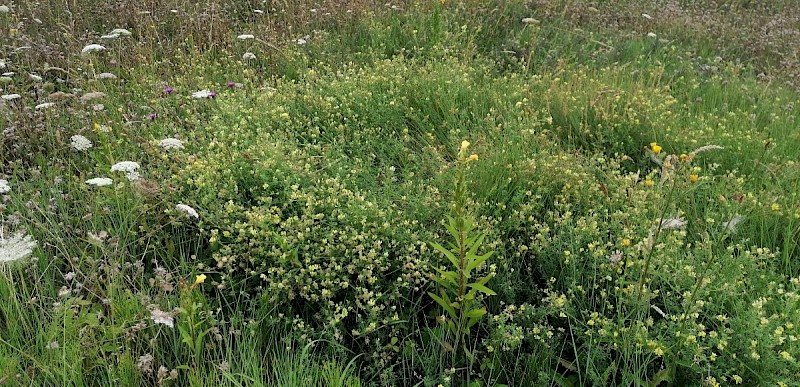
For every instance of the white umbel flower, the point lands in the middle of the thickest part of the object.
(730, 225)
(92, 95)
(171, 143)
(4, 187)
(249, 56)
(99, 181)
(245, 37)
(129, 167)
(120, 32)
(646, 16)
(92, 48)
(672, 223)
(80, 143)
(202, 94)
(652, 35)
(10, 97)
(4, 9)
(15, 247)
(189, 211)
(106, 76)
(160, 317)
(43, 106)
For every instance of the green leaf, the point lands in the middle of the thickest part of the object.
(450, 256)
(476, 313)
(475, 243)
(478, 261)
(661, 376)
(445, 304)
(481, 288)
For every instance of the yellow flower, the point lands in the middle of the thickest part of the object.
(655, 147)
(200, 279)
(473, 157)
(693, 178)
(464, 145)
(626, 242)
(775, 207)
(649, 183)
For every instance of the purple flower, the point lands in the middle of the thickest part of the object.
(153, 116)
(212, 95)
(169, 90)
(231, 84)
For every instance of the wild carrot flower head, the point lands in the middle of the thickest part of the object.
(80, 143)
(120, 32)
(730, 225)
(204, 94)
(129, 167)
(92, 48)
(189, 211)
(4, 187)
(171, 143)
(99, 181)
(672, 223)
(15, 247)
(106, 76)
(160, 317)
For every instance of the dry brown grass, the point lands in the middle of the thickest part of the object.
(761, 34)
(52, 30)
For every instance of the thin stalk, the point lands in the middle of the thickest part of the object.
(655, 240)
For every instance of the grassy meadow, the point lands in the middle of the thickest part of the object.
(414, 193)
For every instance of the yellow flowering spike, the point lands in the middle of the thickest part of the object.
(200, 279)
(693, 178)
(655, 147)
(464, 145)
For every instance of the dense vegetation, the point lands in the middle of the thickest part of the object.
(454, 193)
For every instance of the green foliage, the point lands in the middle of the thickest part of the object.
(460, 294)
(320, 173)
